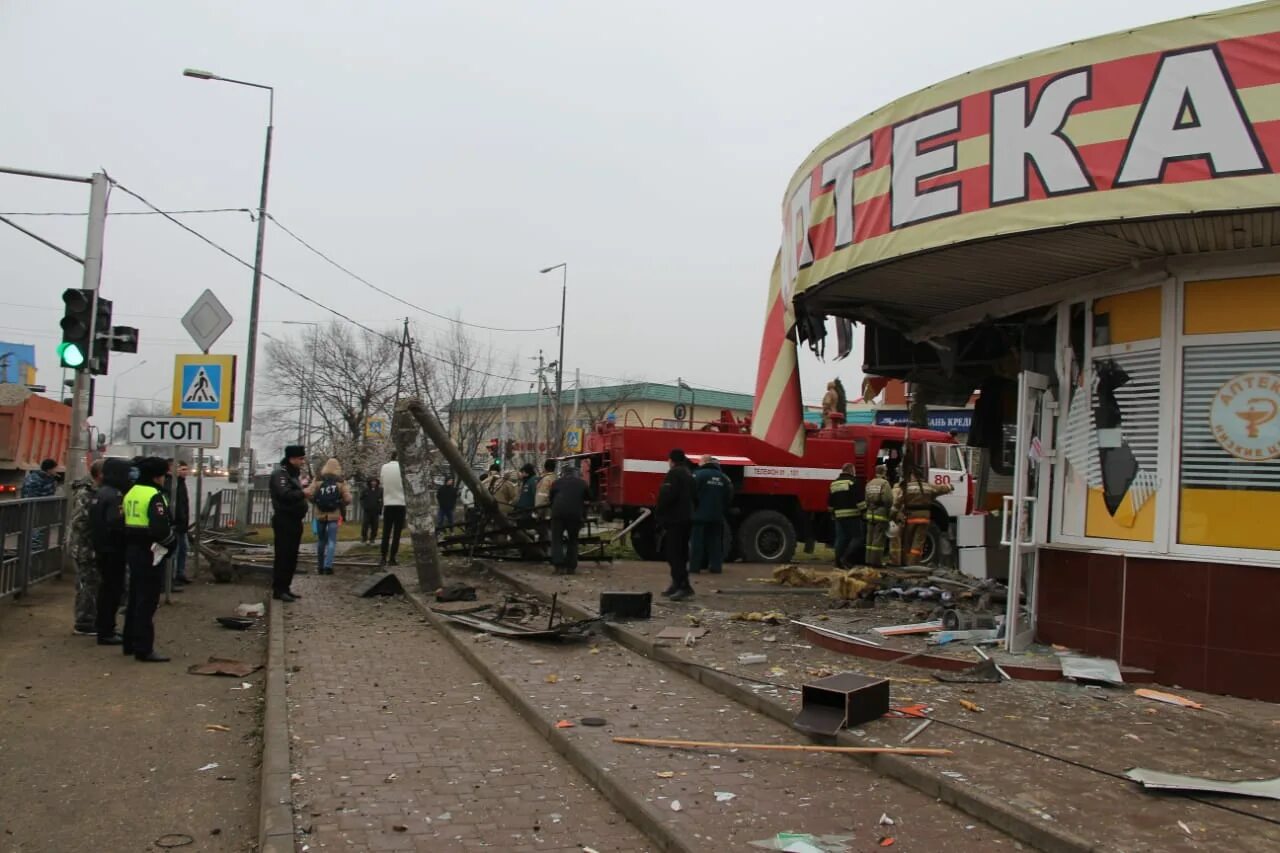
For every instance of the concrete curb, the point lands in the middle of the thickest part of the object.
(642, 815)
(275, 808)
(985, 807)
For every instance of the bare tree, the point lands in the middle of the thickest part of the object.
(453, 370)
(341, 376)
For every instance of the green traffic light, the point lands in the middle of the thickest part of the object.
(71, 355)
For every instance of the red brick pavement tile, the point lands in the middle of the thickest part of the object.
(398, 744)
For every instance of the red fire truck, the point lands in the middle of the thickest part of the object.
(779, 498)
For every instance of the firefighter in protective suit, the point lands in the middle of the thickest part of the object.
(846, 510)
(917, 498)
(879, 498)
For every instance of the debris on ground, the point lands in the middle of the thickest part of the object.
(772, 617)
(1172, 699)
(224, 666)
(675, 632)
(258, 609)
(970, 706)
(214, 727)
(984, 673)
(456, 591)
(751, 658)
(1086, 669)
(1160, 781)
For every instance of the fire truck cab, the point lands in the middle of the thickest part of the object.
(780, 499)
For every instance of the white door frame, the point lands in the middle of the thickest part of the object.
(1025, 520)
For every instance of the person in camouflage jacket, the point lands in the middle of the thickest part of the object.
(81, 541)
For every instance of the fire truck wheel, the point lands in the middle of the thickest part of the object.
(933, 548)
(767, 536)
(646, 540)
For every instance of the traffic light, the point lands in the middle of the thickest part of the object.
(494, 447)
(101, 337)
(77, 321)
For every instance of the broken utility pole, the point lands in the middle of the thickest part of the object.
(415, 471)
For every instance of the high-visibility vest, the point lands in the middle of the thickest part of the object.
(137, 502)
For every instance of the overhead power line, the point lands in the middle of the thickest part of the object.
(248, 210)
(391, 295)
(298, 293)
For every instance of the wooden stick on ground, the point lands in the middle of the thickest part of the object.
(784, 747)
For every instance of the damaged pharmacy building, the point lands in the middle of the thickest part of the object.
(1089, 237)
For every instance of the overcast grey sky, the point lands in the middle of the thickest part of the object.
(448, 150)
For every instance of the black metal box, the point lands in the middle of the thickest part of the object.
(626, 605)
(830, 704)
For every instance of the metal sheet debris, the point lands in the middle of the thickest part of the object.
(1161, 781)
(1091, 669)
(914, 628)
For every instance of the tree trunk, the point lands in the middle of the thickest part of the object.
(420, 517)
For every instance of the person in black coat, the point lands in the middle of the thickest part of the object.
(371, 510)
(568, 508)
(674, 514)
(289, 506)
(106, 526)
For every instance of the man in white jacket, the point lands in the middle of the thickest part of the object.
(392, 510)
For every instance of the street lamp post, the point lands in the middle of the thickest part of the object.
(115, 385)
(251, 354)
(559, 418)
(692, 407)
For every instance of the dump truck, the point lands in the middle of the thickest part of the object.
(32, 429)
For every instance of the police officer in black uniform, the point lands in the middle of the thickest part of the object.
(147, 523)
(289, 506)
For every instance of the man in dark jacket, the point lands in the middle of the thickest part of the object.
(289, 507)
(568, 507)
(712, 495)
(446, 501)
(148, 527)
(181, 524)
(106, 523)
(370, 510)
(674, 515)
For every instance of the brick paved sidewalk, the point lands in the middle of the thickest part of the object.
(1111, 730)
(398, 745)
(821, 794)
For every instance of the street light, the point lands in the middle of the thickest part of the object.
(564, 290)
(308, 396)
(692, 406)
(114, 386)
(251, 354)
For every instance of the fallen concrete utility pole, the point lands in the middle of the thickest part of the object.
(415, 472)
(782, 747)
(440, 438)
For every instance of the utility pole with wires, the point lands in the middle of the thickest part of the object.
(404, 345)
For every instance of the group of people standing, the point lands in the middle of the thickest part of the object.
(693, 507)
(556, 501)
(862, 516)
(329, 495)
(122, 524)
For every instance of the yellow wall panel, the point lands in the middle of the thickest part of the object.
(1232, 305)
(1134, 316)
(1234, 519)
(1128, 525)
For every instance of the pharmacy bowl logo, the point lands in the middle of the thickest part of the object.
(1245, 416)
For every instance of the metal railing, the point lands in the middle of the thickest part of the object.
(219, 510)
(31, 540)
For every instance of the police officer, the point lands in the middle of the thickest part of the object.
(879, 498)
(289, 507)
(712, 496)
(147, 523)
(846, 513)
(917, 499)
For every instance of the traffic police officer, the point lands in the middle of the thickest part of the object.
(147, 523)
(879, 508)
(846, 510)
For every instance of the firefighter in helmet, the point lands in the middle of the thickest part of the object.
(917, 499)
(879, 498)
(844, 501)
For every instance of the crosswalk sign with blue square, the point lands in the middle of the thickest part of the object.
(204, 385)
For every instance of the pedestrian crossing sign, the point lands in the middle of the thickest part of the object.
(205, 385)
